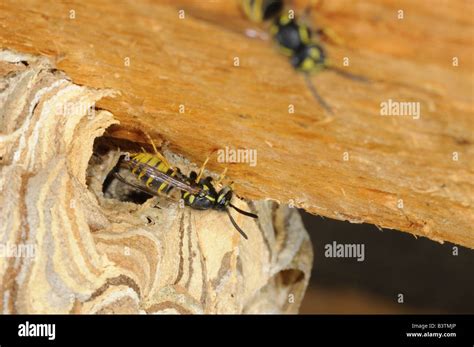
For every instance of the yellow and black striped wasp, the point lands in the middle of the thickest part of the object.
(155, 176)
(295, 40)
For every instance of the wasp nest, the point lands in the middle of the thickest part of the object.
(69, 248)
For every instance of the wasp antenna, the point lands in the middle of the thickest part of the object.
(245, 213)
(348, 75)
(244, 235)
(316, 95)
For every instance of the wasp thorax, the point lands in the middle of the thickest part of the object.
(223, 198)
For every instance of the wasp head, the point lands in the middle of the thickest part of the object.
(309, 58)
(223, 198)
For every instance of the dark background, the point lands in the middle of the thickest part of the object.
(431, 278)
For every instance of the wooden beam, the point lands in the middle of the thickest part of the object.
(408, 174)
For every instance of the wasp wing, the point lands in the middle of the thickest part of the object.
(177, 182)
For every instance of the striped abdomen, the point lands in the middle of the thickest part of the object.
(152, 172)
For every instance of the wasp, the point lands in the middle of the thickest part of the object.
(295, 40)
(155, 176)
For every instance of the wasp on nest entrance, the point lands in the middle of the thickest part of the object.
(144, 175)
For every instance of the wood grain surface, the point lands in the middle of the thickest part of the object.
(400, 171)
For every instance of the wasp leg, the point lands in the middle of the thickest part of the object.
(158, 154)
(221, 177)
(201, 170)
(152, 142)
(327, 33)
(331, 36)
